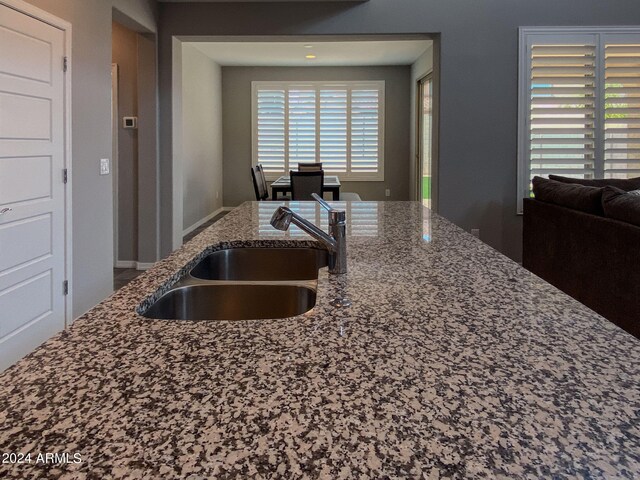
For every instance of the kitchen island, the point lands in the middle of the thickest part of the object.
(452, 362)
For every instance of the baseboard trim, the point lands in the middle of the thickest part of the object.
(126, 264)
(203, 221)
(133, 264)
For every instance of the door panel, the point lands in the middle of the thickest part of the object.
(32, 235)
(24, 55)
(31, 300)
(13, 171)
(24, 117)
(15, 251)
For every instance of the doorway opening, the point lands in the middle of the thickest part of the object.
(425, 139)
(124, 101)
(218, 81)
(114, 156)
(134, 151)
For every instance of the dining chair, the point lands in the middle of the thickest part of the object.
(309, 167)
(303, 184)
(259, 183)
(263, 178)
(350, 197)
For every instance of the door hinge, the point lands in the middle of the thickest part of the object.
(65, 175)
(65, 287)
(65, 64)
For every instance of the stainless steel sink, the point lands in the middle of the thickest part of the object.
(245, 284)
(261, 264)
(233, 302)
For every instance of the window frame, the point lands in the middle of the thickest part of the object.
(526, 37)
(318, 85)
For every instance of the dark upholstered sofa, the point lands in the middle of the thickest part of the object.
(593, 258)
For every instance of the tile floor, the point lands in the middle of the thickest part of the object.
(122, 276)
(203, 226)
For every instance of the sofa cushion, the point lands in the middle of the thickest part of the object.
(620, 205)
(570, 195)
(626, 184)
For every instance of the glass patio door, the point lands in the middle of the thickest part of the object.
(425, 138)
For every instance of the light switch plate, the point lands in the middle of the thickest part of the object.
(104, 166)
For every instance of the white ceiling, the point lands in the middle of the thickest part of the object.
(292, 54)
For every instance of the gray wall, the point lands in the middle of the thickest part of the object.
(138, 15)
(201, 136)
(236, 98)
(478, 108)
(148, 169)
(91, 109)
(125, 55)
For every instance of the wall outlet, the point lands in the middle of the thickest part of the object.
(217, 195)
(387, 193)
(475, 232)
(104, 166)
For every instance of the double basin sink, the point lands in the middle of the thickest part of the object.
(244, 284)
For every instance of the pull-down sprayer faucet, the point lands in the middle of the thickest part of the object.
(335, 243)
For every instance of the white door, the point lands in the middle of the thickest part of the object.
(32, 196)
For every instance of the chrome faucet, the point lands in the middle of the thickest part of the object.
(335, 243)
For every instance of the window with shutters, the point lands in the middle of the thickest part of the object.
(579, 104)
(340, 124)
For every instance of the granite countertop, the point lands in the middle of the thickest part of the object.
(452, 362)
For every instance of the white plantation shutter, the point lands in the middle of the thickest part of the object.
(579, 106)
(365, 139)
(338, 124)
(270, 129)
(562, 112)
(333, 129)
(622, 110)
(302, 127)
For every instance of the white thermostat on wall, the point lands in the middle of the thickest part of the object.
(129, 122)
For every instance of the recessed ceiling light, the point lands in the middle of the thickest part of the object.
(308, 46)
(310, 56)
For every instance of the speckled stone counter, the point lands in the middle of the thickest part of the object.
(452, 362)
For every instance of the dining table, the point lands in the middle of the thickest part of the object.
(283, 185)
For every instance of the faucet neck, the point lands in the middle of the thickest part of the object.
(315, 231)
(338, 231)
(335, 242)
(336, 217)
